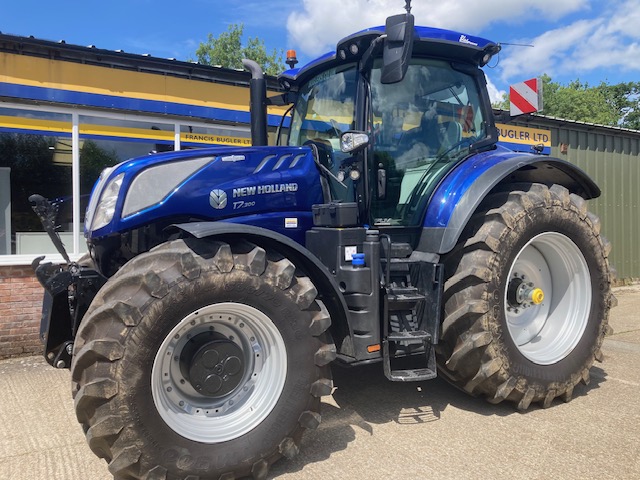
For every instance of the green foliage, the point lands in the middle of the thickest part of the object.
(502, 104)
(577, 101)
(624, 98)
(614, 105)
(227, 50)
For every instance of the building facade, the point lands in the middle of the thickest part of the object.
(66, 113)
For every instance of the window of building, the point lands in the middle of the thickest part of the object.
(34, 148)
(59, 153)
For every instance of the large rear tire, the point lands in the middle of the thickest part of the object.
(527, 297)
(201, 360)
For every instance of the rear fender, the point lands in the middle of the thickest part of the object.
(463, 189)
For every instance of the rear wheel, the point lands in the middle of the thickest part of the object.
(527, 297)
(201, 360)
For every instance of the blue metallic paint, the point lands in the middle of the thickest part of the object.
(193, 200)
(464, 188)
(457, 182)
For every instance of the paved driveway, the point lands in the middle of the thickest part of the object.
(375, 429)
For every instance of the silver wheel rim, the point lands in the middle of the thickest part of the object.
(213, 420)
(547, 332)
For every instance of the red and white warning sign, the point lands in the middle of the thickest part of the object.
(526, 97)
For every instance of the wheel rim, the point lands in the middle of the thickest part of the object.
(548, 298)
(229, 382)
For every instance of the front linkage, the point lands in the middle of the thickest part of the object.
(69, 290)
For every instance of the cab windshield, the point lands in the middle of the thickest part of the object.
(325, 108)
(421, 127)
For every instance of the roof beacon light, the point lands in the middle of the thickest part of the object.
(292, 58)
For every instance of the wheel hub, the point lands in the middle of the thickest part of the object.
(219, 372)
(214, 368)
(523, 294)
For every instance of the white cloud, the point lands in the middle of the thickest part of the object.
(319, 24)
(548, 52)
(587, 39)
(609, 41)
(495, 94)
(322, 23)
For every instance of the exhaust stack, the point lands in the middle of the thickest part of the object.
(257, 103)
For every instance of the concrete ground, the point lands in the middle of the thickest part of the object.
(375, 429)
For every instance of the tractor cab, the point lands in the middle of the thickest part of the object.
(389, 114)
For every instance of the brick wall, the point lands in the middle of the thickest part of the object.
(20, 307)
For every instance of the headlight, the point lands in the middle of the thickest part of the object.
(352, 141)
(107, 204)
(154, 184)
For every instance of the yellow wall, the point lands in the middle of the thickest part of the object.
(64, 75)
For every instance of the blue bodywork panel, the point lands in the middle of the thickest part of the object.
(463, 189)
(452, 189)
(490, 167)
(271, 187)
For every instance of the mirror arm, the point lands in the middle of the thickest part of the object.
(367, 57)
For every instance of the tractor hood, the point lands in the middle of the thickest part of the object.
(233, 183)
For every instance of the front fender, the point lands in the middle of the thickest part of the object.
(325, 283)
(461, 191)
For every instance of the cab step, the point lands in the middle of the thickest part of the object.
(427, 359)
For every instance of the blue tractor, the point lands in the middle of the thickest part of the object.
(389, 228)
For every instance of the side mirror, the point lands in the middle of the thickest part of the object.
(398, 47)
(352, 141)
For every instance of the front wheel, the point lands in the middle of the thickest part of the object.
(201, 360)
(527, 297)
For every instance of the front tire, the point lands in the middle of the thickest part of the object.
(201, 360)
(527, 297)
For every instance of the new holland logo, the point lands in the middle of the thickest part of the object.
(218, 199)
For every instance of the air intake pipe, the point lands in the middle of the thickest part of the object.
(257, 103)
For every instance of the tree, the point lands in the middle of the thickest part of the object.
(577, 101)
(227, 50)
(624, 98)
(605, 104)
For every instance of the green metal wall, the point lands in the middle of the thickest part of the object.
(611, 156)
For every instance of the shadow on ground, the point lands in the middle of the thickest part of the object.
(363, 397)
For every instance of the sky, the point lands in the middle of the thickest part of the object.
(589, 40)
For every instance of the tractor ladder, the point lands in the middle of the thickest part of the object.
(411, 315)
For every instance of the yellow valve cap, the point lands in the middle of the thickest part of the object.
(537, 296)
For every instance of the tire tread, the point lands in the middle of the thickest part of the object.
(468, 354)
(99, 347)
